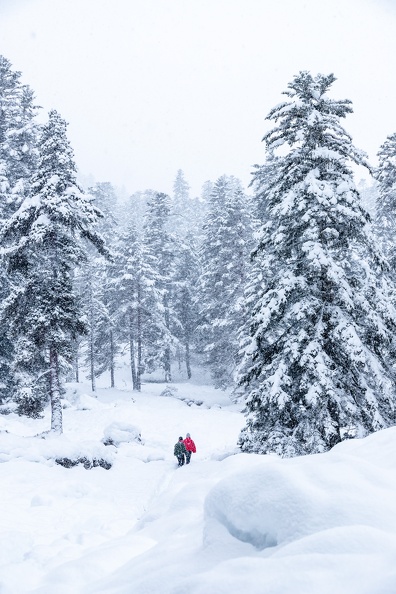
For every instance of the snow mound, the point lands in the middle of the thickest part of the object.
(173, 392)
(119, 432)
(282, 503)
(264, 507)
(54, 449)
(86, 402)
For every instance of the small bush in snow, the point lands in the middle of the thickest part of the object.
(31, 401)
(190, 402)
(169, 391)
(87, 463)
(8, 408)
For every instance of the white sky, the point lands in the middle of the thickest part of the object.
(151, 86)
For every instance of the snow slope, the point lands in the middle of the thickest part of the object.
(225, 524)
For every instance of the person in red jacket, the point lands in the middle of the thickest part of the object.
(190, 447)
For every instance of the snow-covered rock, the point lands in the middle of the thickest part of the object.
(119, 432)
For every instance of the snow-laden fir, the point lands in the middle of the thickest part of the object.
(386, 201)
(319, 342)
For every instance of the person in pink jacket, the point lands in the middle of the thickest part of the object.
(190, 447)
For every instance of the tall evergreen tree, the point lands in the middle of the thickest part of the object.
(90, 283)
(139, 311)
(186, 214)
(319, 344)
(180, 218)
(107, 339)
(9, 108)
(45, 242)
(224, 255)
(105, 199)
(18, 161)
(18, 138)
(185, 281)
(161, 245)
(137, 203)
(386, 203)
(104, 333)
(181, 189)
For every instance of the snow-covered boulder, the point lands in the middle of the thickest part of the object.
(173, 392)
(119, 432)
(55, 448)
(86, 402)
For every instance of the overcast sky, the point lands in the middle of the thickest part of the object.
(152, 86)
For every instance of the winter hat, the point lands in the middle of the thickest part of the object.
(180, 439)
(188, 435)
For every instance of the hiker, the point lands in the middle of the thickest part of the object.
(190, 447)
(180, 451)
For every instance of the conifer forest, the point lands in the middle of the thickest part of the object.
(284, 290)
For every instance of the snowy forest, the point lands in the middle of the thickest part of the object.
(284, 291)
(260, 319)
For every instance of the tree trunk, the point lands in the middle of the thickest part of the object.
(91, 339)
(55, 396)
(135, 385)
(139, 342)
(91, 357)
(76, 364)
(188, 360)
(179, 358)
(112, 365)
(167, 365)
(167, 353)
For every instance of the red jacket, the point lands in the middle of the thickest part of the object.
(190, 445)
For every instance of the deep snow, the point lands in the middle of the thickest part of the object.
(225, 524)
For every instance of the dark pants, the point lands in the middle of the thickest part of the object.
(180, 460)
(188, 457)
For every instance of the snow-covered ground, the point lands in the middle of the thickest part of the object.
(225, 524)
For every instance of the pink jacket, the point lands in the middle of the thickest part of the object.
(190, 445)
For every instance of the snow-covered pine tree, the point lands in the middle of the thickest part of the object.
(105, 198)
(185, 280)
(187, 213)
(102, 302)
(107, 340)
(224, 256)
(18, 138)
(161, 245)
(139, 311)
(368, 192)
(18, 160)
(9, 108)
(261, 183)
(206, 190)
(90, 281)
(95, 283)
(45, 240)
(180, 218)
(8, 99)
(319, 345)
(181, 191)
(22, 146)
(386, 202)
(137, 203)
